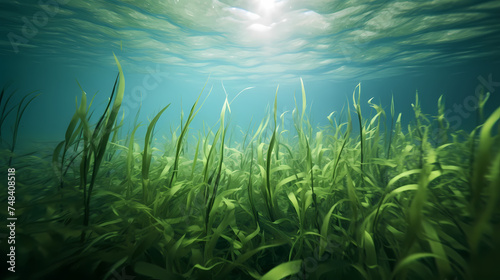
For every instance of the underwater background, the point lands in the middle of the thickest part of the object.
(258, 139)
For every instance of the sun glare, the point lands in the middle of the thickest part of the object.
(266, 5)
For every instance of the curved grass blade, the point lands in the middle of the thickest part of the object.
(283, 270)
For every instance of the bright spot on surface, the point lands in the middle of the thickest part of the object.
(241, 13)
(259, 27)
(266, 5)
(267, 10)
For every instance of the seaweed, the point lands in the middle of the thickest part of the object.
(391, 202)
(6, 109)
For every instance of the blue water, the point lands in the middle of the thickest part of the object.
(168, 50)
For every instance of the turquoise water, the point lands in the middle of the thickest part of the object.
(242, 51)
(169, 48)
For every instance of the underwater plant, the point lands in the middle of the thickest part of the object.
(309, 203)
(6, 109)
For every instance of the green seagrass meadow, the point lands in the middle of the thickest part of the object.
(362, 198)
